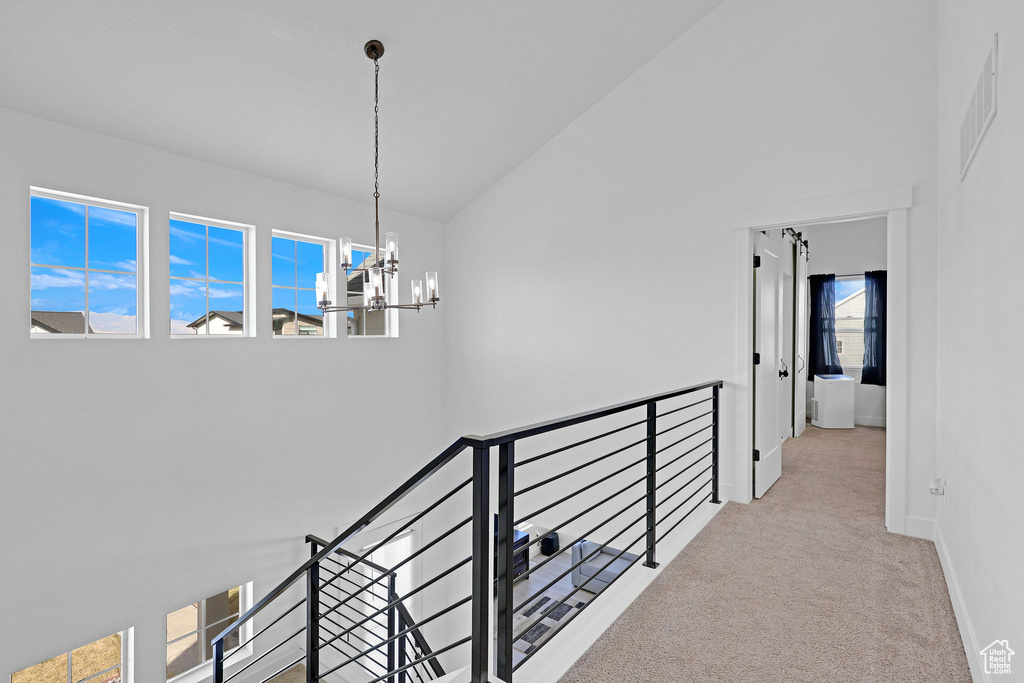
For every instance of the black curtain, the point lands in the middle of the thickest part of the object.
(824, 356)
(874, 328)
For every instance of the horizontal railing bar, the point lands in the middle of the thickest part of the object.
(390, 501)
(547, 610)
(348, 568)
(406, 632)
(498, 438)
(676, 410)
(279, 671)
(671, 528)
(265, 628)
(399, 670)
(666, 431)
(358, 599)
(361, 664)
(582, 561)
(673, 494)
(354, 647)
(582, 490)
(419, 641)
(589, 509)
(264, 654)
(540, 564)
(351, 620)
(408, 559)
(414, 591)
(684, 470)
(692, 434)
(534, 458)
(615, 578)
(580, 467)
(401, 529)
(316, 540)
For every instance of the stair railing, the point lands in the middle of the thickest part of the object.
(535, 466)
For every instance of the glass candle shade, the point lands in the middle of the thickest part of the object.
(390, 248)
(417, 291)
(433, 293)
(323, 289)
(345, 247)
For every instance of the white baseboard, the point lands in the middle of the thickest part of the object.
(727, 491)
(868, 421)
(919, 527)
(576, 637)
(963, 620)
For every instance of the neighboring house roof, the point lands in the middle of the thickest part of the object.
(60, 322)
(232, 318)
(850, 298)
(317, 320)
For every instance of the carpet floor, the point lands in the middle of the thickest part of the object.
(804, 584)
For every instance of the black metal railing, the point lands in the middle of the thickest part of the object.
(614, 496)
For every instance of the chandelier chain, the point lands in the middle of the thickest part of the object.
(376, 129)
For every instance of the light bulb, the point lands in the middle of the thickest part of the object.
(345, 246)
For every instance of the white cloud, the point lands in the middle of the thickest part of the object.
(112, 323)
(223, 293)
(181, 327)
(58, 278)
(107, 281)
(188, 288)
(178, 261)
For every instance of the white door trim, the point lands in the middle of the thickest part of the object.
(894, 203)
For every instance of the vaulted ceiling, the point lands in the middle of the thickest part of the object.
(469, 88)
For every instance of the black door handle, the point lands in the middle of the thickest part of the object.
(785, 371)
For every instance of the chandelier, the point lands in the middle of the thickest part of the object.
(384, 264)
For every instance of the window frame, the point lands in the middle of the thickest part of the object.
(330, 246)
(249, 325)
(127, 663)
(390, 294)
(860, 363)
(141, 263)
(203, 670)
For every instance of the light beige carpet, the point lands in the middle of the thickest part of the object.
(803, 585)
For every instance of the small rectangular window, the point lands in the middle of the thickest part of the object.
(296, 261)
(849, 311)
(209, 278)
(86, 266)
(368, 323)
(191, 629)
(103, 661)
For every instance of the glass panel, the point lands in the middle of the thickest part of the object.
(311, 320)
(226, 308)
(227, 254)
(182, 655)
(188, 307)
(218, 608)
(113, 239)
(359, 257)
(183, 621)
(284, 310)
(51, 671)
(58, 232)
(231, 641)
(58, 301)
(310, 259)
(95, 657)
(283, 266)
(188, 249)
(112, 303)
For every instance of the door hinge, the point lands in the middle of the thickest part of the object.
(757, 261)
(757, 359)
(757, 455)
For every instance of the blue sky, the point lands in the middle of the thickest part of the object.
(59, 239)
(295, 267)
(196, 249)
(845, 288)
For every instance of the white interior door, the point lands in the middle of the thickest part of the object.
(787, 317)
(767, 344)
(800, 338)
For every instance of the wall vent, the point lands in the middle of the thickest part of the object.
(980, 112)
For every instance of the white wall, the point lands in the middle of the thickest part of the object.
(602, 268)
(850, 248)
(981, 248)
(129, 488)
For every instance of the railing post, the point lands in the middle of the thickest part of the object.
(714, 445)
(483, 531)
(313, 620)
(392, 596)
(506, 547)
(402, 658)
(218, 661)
(652, 466)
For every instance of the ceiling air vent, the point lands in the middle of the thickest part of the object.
(981, 112)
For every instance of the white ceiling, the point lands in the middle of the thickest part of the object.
(469, 88)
